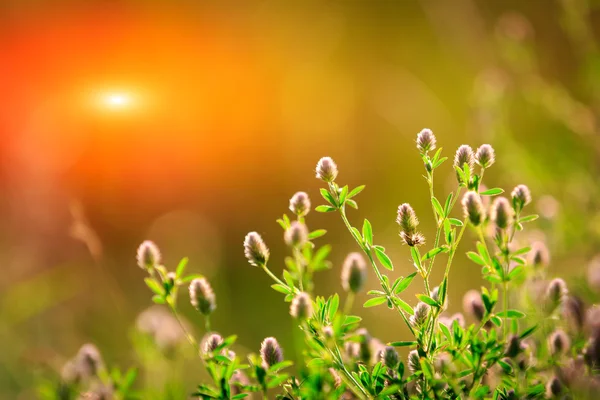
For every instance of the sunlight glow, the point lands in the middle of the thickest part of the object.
(117, 100)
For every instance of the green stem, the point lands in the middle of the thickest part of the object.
(187, 334)
(357, 387)
(207, 323)
(441, 225)
(379, 276)
(300, 267)
(348, 303)
(276, 279)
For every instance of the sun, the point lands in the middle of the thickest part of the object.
(117, 100)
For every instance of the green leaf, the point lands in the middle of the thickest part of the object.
(288, 278)
(181, 267)
(375, 302)
(316, 234)
(448, 203)
(529, 218)
(404, 283)
(521, 251)
(416, 256)
(384, 259)
(190, 278)
(461, 173)
(351, 319)
(334, 303)
(511, 314)
(403, 343)
(427, 300)
(367, 232)
(482, 249)
(455, 222)
(281, 288)
(528, 332)
(476, 258)
(433, 252)
(352, 204)
(492, 192)
(439, 162)
(404, 305)
(154, 286)
(158, 299)
(328, 197)
(438, 207)
(445, 331)
(343, 194)
(325, 209)
(356, 191)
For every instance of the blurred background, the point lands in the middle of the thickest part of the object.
(191, 123)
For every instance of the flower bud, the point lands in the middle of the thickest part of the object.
(407, 219)
(574, 313)
(485, 156)
(352, 350)
(473, 305)
(414, 361)
(296, 235)
(513, 346)
(419, 318)
(255, 249)
(538, 255)
(202, 296)
(464, 155)
(354, 273)
(502, 213)
(327, 169)
(211, 342)
(89, 361)
(300, 204)
(425, 141)
(301, 306)
(364, 345)
(556, 292)
(270, 352)
(389, 357)
(559, 342)
(473, 208)
(553, 388)
(521, 196)
(148, 255)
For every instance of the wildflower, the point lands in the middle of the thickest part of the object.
(435, 294)
(337, 379)
(328, 332)
(513, 346)
(354, 273)
(296, 235)
(574, 312)
(473, 208)
(389, 357)
(414, 361)
(459, 319)
(421, 312)
(300, 204)
(88, 360)
(407, 219)
(538, 255)
(301, 306)
(464, 155)
(502, 213)
(559, 342)
(473, 305)
(553, 387)
(521, 196)
(171, 278)
(238, 381)
(211, 342)
(148, 255)
(364, 345)
(255, 249)
(160, 324)
(352, 349)
(485, 156)
(202, 296)
(327, 169)
(425, 141)
(270, 352)
(556, 292)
